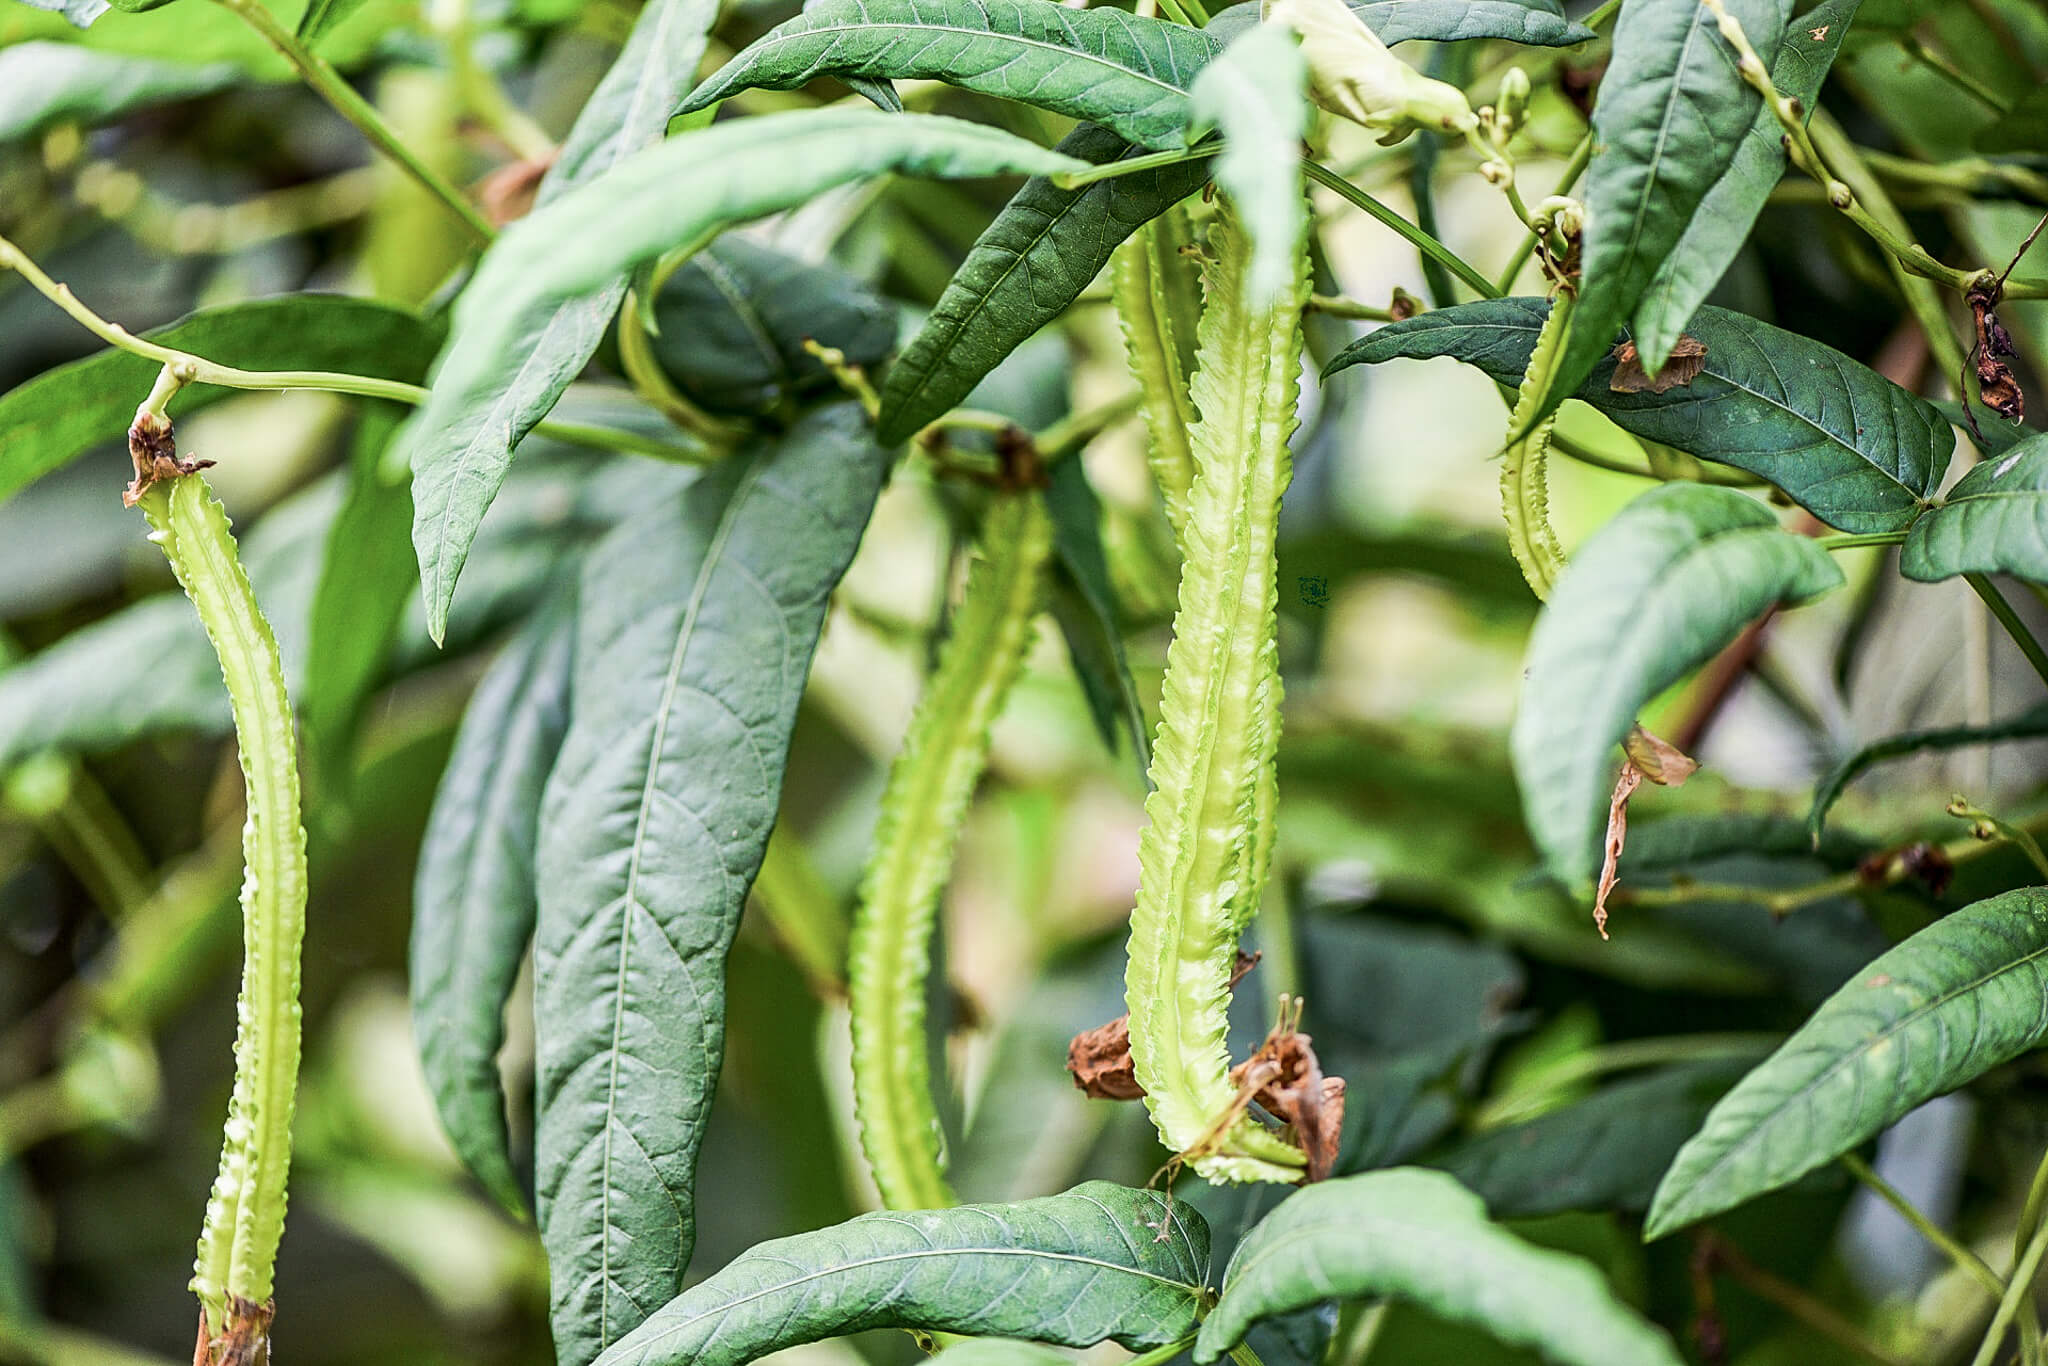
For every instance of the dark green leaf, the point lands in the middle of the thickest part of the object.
(733, 322)
(1538, 23)
(1846, 444)
(1084, 603)
(1949, 1004)
(1993, 435)
(1416, 1235)
(459, 450)
(66, 411)
(1098, 1264)
(2022, 128)
(1721, 224)
(697, 623)
(2031, 724)
(323, 16)
(46, 83)
(473, 896)
(1994, 521)
(569, 254)
(1654, 593)
(1673, 111)
(1604, 1152)
(1255, 93)
(1041, 251)
(1127, 73)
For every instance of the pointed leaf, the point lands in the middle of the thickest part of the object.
(46, 83)
(1943, 1008)
(1416, 1235)
(1041, 251)
(67, 411)
(1099, 1264)
(1846, 444)
(2031, 724)
(1672, 113)
(473, 896)
(570, 253)
(1537, 23)
(1994, 521)
(1653, 594)
(458, 453)
(1721, 224)
(1255, 91)
(323, 17)
(697, 624)
(1128, 73)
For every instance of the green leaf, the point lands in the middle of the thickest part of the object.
(47, 83)
(1537, 23)
(1041, 251)
(1083, 601)
(1415, 1235)
(1654, 593)
(80, 12)
(473, 895)
(64, 412)
(460, 447)
(323, 16)
(1099, 1264)
(733, 321)
(1721, 224)
(1256, 93)
(2022, 128)
(1604, 1152)
(1127, 73)
(1936, 1012)
(697, 624)
(2030, 724)
(1846, 444)
(1672, 113)
(569, 254)
(1994, 521)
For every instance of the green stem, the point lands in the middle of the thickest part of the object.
(1707, 474)
(1966, 1261)
(2010, 620)
(1582, 156)
(1859, 540)
(1626, 1056)
(1954, 75)
(1421, 240)
(1151, 161)
(328, 83)
(1159, 1356)
(245, 1216)
(2018, 1291)
(1990, 828)
(1076, 430)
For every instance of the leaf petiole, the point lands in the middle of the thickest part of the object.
(1151, 161)
(1422, 241)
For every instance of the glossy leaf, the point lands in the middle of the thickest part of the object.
(1539, 23)
(697, 624)
(734, 319)
(1419, 1236)
(1941, 1009)
(1721, 224)
(1653, 594)
(1994, 521)
(680, 192)
(473, 895)
(1099, 1264)
(1254, 93)
(1673, 112)
(1128, 73)
(1041, 251)
(1846, 444)
(2031, 724)
(48, 83)
(460, 446)
(64, 412)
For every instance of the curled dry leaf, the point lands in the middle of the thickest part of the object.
(155, 452)
(1099, 1059)
(1284, 1079)
(1997, 386)
(1651, 757)
(1688, 358)
(243, 1339)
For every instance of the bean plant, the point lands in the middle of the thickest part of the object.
(890, 463)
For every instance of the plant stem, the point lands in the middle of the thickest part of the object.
(1797, 1303)
(1151, 161)
(1340, 306)
(1076, 430)
(1519, 1103)
(1582, 155)
(2010, 620)
(1708, 474)
(1969, 175)
(328, 83)
(1422, 241)
(1965, 1260)
(2018, 1291)
(1954, 75)
(1159, 1356)
(1861, 539)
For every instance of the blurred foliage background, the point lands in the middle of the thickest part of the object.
(1467, 1003)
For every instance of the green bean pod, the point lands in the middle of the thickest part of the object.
(1205, 850)
(1158, 301)
(245, 1214)
(930, 787)
(1524, 472)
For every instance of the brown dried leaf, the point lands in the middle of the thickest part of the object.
(1688, 358)
(154, 450)
(1625, 784)
(1662, 762)
(1997, 387)
(1099, 1059)
(244, 1339)
(1285, 1079)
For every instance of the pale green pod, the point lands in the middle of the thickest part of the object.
(1524, 466)
(1158, 293)
(245, 1214)
(930, 787)
(1207, 841)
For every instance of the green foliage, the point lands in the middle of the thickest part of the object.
(1254, 94)
(1128, 73)
(1420, 1236)
(1625, 622)
(1099, 1264)
(1994, 521)
(1540, 23)
(2031, 724)
(1941, 1009)
(42, 84)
